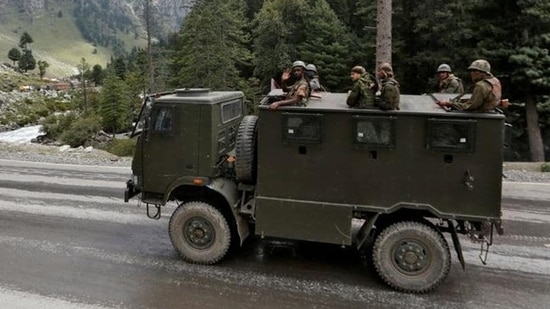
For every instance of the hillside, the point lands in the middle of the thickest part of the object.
(65, 31)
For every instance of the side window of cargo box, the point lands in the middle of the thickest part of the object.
(299, 128)
(451, 135)
(372, 132)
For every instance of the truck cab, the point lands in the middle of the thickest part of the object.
(315, 173)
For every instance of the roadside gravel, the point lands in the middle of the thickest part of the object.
(519, 172)
(54, 154)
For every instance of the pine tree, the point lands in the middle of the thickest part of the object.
(326, 44)
(25, 40)
(278, 31)
(42, 66)
(517, 44)
(27, 61)
(14, 55)
(97, 75)
(114, 104)
(83, 72)
(212, 45)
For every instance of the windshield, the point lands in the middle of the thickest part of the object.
(139, 126)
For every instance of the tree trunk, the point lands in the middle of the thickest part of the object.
(148, 28)
(535, 139)
(383, 31)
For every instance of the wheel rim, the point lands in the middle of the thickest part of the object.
(411, 257)
(199, 233)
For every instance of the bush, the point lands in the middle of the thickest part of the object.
(54, 125)
(545, 168)
(81, 131)
(122, 147)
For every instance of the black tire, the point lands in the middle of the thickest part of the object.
(411, 257)
(245, 164)
(200, 233)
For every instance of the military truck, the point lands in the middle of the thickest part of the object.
(392, 183)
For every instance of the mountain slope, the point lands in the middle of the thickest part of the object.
(65, 31)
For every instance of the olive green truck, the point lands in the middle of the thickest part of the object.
(392, 183)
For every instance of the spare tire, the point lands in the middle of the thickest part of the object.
(245, 163)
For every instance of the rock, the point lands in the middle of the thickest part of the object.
(64, 148)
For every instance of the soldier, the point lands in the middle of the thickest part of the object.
(487, 90)
(298, 93)
(364, 89)
(448, 82)
(313, 76)
(389, 92)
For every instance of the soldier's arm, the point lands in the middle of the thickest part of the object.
(300, 97)
(353, 96)
(475, 102)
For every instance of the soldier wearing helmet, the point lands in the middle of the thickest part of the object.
(389, 92)
(313, 77)
(487, 90)
(448, 82)
(298, 93)
(364, 89)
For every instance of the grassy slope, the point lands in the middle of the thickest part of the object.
(56, 40)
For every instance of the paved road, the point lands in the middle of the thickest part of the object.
(68, 241)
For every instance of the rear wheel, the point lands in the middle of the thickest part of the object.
(411, 257)
(200, 233)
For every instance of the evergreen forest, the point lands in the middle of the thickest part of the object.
(242, 44)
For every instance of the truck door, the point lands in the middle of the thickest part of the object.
(168, 151)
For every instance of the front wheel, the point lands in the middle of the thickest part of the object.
(200, 233)
(411, 257)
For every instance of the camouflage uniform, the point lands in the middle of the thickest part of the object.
(300, 88)
(362, 93)
(485, 97)
(389, 95)
(451, 84)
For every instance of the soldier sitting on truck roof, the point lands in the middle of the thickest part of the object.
(297, 93)
(364, 88)
(448, 82)
(487, 90)
(313, 77)
(389, 92)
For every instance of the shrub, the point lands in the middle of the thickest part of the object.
(545, 168)
(81, 131)
(122, 147)
(54, 125)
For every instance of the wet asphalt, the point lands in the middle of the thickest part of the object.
(67, 240)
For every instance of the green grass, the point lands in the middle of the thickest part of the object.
(56, 40)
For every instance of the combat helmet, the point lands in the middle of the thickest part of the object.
(480, 65)
(299, 63)
(444, 68)
(311, 67)
(358, 69)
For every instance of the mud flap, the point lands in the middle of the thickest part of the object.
(456, 243)
(242, 227)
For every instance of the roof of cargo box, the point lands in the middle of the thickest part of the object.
(425, 103)
(198, 96)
